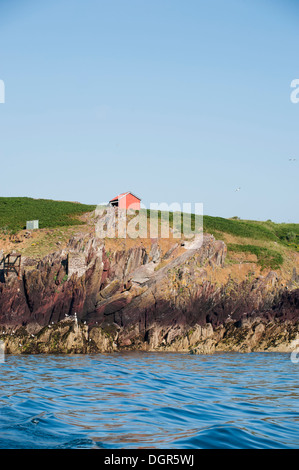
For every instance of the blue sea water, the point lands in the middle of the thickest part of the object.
(149, 400)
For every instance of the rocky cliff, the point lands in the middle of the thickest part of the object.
(86, 299)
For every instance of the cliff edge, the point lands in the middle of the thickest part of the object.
(94, 297)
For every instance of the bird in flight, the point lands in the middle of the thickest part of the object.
(292, 159)
(238, 189)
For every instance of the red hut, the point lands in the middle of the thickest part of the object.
(126, 201)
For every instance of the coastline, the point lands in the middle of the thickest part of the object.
(88, 298)
(68, 337)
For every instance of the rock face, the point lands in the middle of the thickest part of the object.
(88, 299)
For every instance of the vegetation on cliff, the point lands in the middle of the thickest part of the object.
(270, 245)
(15, 211)
(286, 234)
(265, 258)
(146, 293)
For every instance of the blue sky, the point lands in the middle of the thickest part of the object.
(177, 101)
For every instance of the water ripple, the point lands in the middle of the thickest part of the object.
(132, 400)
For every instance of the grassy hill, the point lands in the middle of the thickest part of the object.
(282, 233)
(15, 211)
(286, 234)
(269, 243)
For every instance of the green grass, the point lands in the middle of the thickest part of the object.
(15, 211)
(266, 258)
(286, 234)
(239, 228)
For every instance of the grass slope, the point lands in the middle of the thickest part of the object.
(15, 211)
(282, 233)
(266, 258)
(262, 236)
(268, 234)
(286, 234)
(249, 237)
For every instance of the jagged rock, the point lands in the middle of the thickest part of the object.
(155, 253)
(124, 263)
(27, 261)
(115, 304)
(142, 274)
(195, 243)
(136, 303)
(206, 347)
(109, 290)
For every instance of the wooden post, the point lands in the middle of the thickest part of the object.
(19, 271)
(15, 265)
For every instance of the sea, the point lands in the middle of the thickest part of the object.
(147, 400)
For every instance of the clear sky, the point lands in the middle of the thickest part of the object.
(174, 100)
